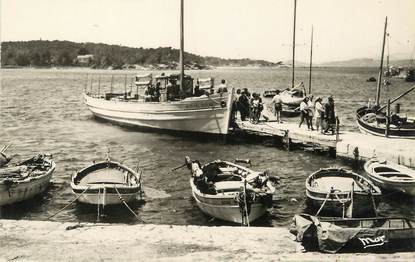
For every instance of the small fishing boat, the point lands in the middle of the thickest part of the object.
(26, 179)
(292, 97)
(371, 79)
(375, 234)
(106, 183)
(341, 192)
(371, 120)
(269, 93)
(390, 176)
(230, 192)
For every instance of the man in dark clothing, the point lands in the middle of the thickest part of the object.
(330, 116)
(243, 105)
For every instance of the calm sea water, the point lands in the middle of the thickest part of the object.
(42, 112)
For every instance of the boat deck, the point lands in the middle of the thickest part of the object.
(107, 176)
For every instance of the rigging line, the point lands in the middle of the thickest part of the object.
(126, 205)
(70, 203)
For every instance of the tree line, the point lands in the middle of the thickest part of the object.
(43, 53)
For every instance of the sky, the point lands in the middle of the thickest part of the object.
(256, 29)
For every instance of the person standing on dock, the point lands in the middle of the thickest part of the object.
(277, 102)
(310, 105)
(304, 112)
(319, 114)
(243, 104)
(329, 115)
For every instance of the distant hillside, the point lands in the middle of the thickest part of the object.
(64, 53)
(365, 62)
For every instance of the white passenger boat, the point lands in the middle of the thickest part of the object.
(106, 183)
(25, 179)
(168, 103)
(390, 176)
(230, 192)
(207, 113)
(342, 192)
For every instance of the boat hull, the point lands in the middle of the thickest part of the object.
(200, 114)
(362, 204)
(24, 190)
(406, 185)
(107, 199)
(229, 212)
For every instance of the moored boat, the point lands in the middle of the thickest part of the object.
(230, 192)
(292, 97)
(171, 103)
(26, 179)
(371, 121)
(341, 192)
(106, 183)
(374, 234)
(391, 176)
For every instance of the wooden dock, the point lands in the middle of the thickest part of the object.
(349, 145)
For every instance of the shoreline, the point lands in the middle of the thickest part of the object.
(24, 240)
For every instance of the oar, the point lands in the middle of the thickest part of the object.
(178, 167)
(5, 148)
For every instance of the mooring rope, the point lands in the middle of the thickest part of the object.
(123, 201)
(324, 202)
(70, 203)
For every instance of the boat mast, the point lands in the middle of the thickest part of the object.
(181, 45)
(311, 60)
(293, 74)
(381, 63)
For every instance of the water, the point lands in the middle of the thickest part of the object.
(42, 112)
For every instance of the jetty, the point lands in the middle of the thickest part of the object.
(24, 240)
(345, 144)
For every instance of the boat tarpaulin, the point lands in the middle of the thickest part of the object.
(331, 238)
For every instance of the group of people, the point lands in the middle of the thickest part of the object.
(323, 114)
(249, 106)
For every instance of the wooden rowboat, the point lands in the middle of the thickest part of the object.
(230, 192)
(106, 183)
(341, 192)
(25, 179)
(374, 234)
(390, 176)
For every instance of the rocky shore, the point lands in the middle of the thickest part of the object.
(53, 241)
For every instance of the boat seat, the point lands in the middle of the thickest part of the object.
(227, 186)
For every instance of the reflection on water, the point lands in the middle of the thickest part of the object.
(42, 111)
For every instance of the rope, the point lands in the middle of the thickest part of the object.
(70, 203)
(126, 205)
(324, 202)
(246, 205)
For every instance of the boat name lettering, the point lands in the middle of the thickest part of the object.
(372, 242)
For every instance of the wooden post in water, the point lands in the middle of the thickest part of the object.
(86, 83)
(125, 87)
(90, 88)
(181, 45)
(381, 64)
(311, 61)
(293, 66)
(99, 85)
(388, 117)
(112, 80)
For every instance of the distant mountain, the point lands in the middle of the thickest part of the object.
(97, 55)
(365, 62)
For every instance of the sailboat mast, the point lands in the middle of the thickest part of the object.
(293, 73)
(381, 63)
(181, 45)
(311, 60)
